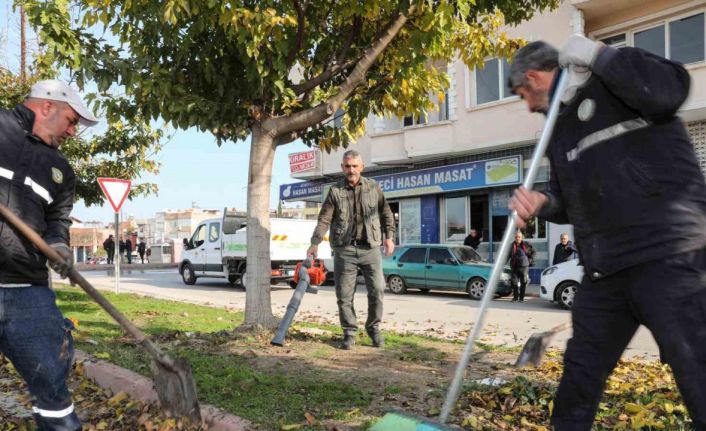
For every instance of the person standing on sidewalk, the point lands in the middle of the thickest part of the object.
(625, 174)
(521, 255)
(141, 248)
(564, 251)
(357, 214)
(37, 184)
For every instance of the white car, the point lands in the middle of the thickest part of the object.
(560, 282)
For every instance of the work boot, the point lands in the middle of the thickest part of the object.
(348, 342)
(378, 339)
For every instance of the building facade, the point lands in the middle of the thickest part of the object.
(455, 169)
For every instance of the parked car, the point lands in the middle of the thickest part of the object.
(560, 282)
(440, 267)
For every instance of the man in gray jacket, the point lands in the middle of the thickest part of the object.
(357, 214)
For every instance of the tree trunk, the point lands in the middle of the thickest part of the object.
(258, 308)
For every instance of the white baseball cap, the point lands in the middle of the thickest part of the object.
(53, 89)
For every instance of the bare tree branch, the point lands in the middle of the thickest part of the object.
(311, 116)
(337, 65)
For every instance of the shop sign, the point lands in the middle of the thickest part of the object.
(302, 190)
(463, 176)
(302, 162)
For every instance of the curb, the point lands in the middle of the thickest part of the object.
(117, 379)
(125, 266)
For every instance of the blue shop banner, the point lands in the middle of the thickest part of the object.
(303, 190)
(463, 176)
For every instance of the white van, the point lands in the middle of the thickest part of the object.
(218, 248)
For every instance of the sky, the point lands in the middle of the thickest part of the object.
(194, 169)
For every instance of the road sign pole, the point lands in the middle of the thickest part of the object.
(116, 191)
(116, 252)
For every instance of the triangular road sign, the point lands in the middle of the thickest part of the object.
(116, 190)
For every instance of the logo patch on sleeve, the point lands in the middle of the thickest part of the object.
(57, 175)
(586, 109)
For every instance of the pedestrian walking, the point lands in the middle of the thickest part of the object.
(109, 247)
(128, 250)
(357, 214)
(521, 258)
(122, 250)
(472, 240)
(564, 251)
(624, 173)
(37, 183)
(141, 249)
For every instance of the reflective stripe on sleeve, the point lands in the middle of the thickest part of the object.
(605, 134)
(6, 173)
(41, 191)
(54, 413)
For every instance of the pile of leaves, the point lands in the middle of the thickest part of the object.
(98, 408)
(639, 395)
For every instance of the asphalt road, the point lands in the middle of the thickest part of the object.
(447, 315)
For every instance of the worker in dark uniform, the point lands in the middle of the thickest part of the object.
(625, 174)
(37, 184)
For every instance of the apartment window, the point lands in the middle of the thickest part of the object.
(681, 39)
(536, 228)
(491, 81)
(652, 40)
(617, 41)
(414, 120)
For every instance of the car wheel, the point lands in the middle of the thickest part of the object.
(242, 280)
(565, 294)
(475, 288)
(187, 274)
(233, 280)
(396, 284)
(424, 290)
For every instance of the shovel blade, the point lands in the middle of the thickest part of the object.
(533, 351)
(176, 389)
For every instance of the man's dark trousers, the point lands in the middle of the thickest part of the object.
(347, 260)
(520, 275)
(667, 296)
(37, 340)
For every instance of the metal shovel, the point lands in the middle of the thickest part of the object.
(536, 345)
(173, 379)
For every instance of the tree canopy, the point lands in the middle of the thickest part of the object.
(220, 66)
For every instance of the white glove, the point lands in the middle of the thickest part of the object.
(579, 51)
(578, 76)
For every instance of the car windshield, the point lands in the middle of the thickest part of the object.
(466, 254)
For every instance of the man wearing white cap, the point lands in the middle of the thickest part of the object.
(37, 183)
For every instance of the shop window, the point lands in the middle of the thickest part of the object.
(410, 221)
(536, 229)
(491, 81)
(456, 219)
(440, 256)
(682, 39)
(414, 255)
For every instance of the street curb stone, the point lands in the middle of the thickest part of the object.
(118, 379)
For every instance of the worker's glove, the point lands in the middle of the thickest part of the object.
(579, 51)
(578, 77)
(62, 267)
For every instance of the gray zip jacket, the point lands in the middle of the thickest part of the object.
(338, 214)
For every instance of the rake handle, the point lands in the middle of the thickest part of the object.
(77, 278)
(455, 387)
